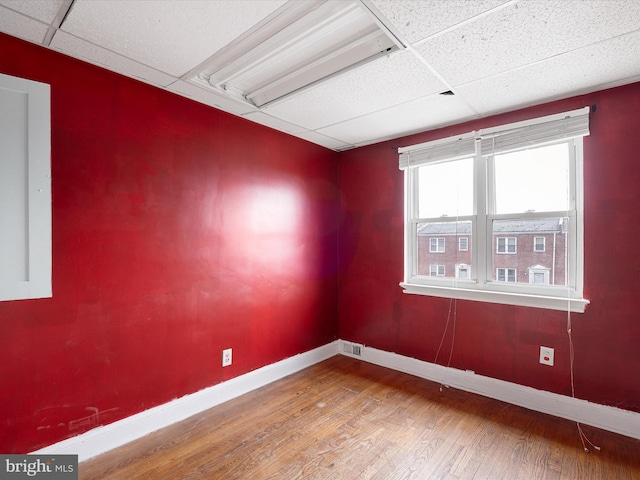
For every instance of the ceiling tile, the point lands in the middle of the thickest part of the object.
(210, 97)
(380, 84)
(424, 114)
(20, 26)
(419, 19)
(45, 11)
(524, 33)
(580, 71)
(65, 43)
(171, 36)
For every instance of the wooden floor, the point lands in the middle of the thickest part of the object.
(346, 419)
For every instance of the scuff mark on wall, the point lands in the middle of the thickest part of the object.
(90, 417)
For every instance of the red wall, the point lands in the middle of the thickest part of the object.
(178, 230)
(497, 340)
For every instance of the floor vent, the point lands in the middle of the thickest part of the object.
(352, 348)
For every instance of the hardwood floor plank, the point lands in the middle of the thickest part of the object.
(346, 419)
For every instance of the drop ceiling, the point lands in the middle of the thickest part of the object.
(492, 55)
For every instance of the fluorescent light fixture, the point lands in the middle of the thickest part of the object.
(302, 43)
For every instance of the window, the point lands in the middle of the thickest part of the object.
(506, 275)
(484, 188)
(25, 189)
(436, 245)
(436, 270)
(506, 245)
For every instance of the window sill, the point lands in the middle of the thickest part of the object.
(576, 305)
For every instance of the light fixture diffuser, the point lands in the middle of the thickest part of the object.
(301, 44)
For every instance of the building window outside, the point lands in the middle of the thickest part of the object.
(436, 270)
(506, 245)
(482, 190)
(506, 275)
(436, 245)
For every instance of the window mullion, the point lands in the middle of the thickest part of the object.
(480, 236)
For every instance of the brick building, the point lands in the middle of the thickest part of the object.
(524, 251)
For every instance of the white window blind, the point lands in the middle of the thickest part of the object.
(498, 139)
(439, 150)
(543, 130)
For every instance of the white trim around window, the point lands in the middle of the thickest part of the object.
(488, 221)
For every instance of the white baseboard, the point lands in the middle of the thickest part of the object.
(102, 439)
(105, 438)
(608, 418)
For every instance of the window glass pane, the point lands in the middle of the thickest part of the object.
(438, 253)
(446, 189)
(535, 180)
(522, 260)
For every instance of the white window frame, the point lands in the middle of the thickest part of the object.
(535, 244)
(27, 210)
(438, 241)
(466, 244)
(566, 127)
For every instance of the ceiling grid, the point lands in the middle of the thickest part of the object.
(494, 55)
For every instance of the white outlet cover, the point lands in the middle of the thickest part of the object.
(546, 356)
(226, 357)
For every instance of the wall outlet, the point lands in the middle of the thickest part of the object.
(546, 356)
(226, 357)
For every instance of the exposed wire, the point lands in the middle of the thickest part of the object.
(583, 437)
(453, 302)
